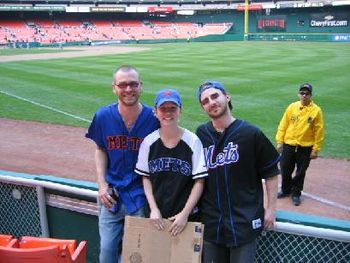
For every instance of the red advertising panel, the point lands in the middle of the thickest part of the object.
(272, 24)
(160, 9)
(250, 7)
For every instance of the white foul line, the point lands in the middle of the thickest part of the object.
(325, 201)
(45, 106)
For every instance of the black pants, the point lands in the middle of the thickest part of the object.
(213, 253)
(294, 156)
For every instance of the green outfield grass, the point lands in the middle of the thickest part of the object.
(263, 78)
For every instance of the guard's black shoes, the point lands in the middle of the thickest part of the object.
(281, 194)
(296, 200)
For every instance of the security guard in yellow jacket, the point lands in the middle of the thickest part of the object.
(299, 138)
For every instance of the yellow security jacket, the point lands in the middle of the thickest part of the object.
(302, 125)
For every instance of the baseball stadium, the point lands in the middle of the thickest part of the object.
(57, 59)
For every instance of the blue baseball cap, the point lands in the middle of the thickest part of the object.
(306, 86)
(212, 84)
(167, 95)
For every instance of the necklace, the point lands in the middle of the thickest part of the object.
(129, 121)
(129, 124)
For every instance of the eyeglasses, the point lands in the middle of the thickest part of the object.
(303, 93)
(131, 84)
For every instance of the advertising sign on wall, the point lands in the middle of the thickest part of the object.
(107, 9)
(329, 20)
(342, 38)
(271, 24)
(32, 8)
(160, 9)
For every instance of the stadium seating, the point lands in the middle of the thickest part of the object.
(7, 240)
(12, 31)
(70, 30)
(42, 250)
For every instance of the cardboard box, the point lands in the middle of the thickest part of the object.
(143, 243)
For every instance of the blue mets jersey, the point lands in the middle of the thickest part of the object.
(109, 132)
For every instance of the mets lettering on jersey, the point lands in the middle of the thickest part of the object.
(121, 145)
(232, 202)
(228, 155)
(169, 164)
(172, 171)
(123, 142)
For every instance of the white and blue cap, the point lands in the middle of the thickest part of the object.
(167, 95)
(212, 84)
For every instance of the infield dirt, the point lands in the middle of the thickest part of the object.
(45, 149)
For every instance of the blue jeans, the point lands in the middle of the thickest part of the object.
(111, 229)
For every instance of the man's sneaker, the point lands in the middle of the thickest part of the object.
(296, 200)
(281, 194)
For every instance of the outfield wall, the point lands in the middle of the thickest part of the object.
(328, 23)
(49, 206)
(301, 20)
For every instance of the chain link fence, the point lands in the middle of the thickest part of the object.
(279, 247)
(19, 210)
(22, 213)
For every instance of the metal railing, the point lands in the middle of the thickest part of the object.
(23, 205)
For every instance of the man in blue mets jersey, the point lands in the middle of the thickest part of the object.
(118, 130)
(238, 156)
